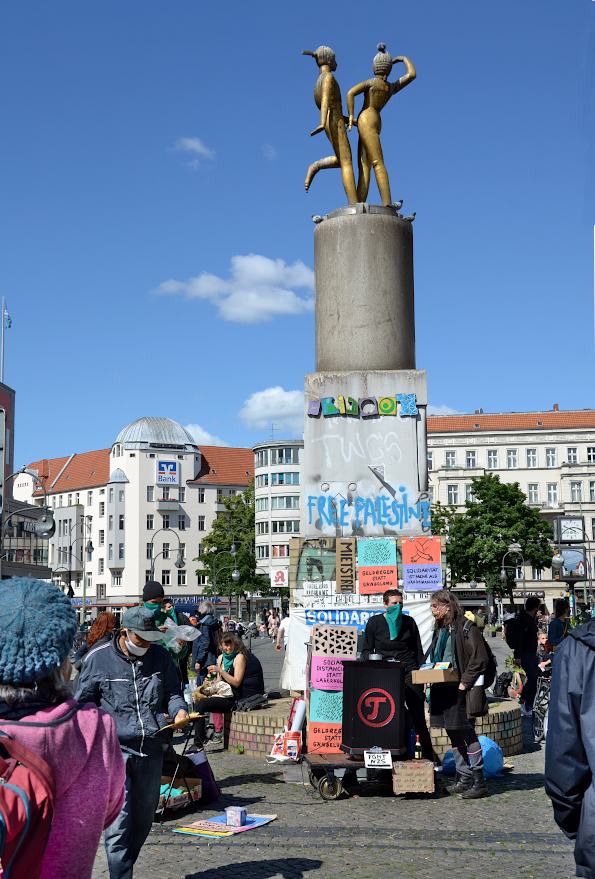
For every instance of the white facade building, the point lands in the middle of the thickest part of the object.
(277, 492)
(550, 454)
(152, 496)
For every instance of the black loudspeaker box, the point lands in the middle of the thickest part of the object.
(373, 706)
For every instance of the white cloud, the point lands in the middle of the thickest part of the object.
(203, 437)
(258, 290)
(270, 152)
(194, 145)
(285, 409)
(443, 410)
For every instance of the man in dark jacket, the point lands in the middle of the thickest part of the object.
(570, 747)
(205, 647)
(135, 681)
(525, 652)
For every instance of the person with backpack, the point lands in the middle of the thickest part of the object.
(521, 636)
(453, 706)
(70, 761)
(558, 628)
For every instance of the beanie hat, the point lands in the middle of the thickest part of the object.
(152, 590)
(37, 629)
(383, 62)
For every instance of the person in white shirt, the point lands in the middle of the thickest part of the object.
(283, 633)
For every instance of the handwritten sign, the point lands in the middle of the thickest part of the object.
(377, 580)
(422, 564)
(315, 588)
(326, 707)
(326, 673)
(325, 737)
(376, 553)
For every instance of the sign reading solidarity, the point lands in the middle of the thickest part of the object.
(376, 707)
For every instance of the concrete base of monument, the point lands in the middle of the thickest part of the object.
(364, 467)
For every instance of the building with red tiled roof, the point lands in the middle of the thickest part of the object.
(550, 454)
(136, 511)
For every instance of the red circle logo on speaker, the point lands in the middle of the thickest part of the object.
(376, 707)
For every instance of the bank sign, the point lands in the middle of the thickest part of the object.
(167, 472)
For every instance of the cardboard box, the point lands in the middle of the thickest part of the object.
(413, 776)
(435, 676)
(181, 783)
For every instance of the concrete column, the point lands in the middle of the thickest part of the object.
(363, 257)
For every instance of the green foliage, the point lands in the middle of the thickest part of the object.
(443, 515)
(478, 539)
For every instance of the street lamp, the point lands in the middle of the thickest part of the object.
(513, 549)
(179, 562)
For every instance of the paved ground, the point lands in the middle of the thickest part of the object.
(371, 833)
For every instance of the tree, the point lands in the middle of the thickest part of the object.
(443, 515)
(478, 539)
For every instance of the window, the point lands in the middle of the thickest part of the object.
(110, 523)
(430, 460)
(182, 523)
(102, 538)
(285, 478)
(181, 578)
(431, 494)
(493, 459)
(120, 523)
(89, 582)
(450, 459)
(592, 529)
(150, 493)
(262, 481)
(202, 580)
(284, 456)
(201, 495)
(572, 455)
(90, 524)
(592, 491)
(165, 492)
(54, 503)
(182, 493)
(470, 459)
(536, 574)
(531, 458)
(201, 523)
(149, 550)
(117, 579)
(200, 549)
(518, 573)
(511, 459)
(77, 497)
(121, 495)
(69, 500)
(182, 549)
(576, 492)
(286, 527)
(453, 494)
(101, 591)
(111, 496)
(150, 521)
(552, 492)
(289, 502)
(550, 457)
(262, 527)
(166, 550)
(262, 552)
(219, 493)
(280, 550)
(101, 509)
(102, 491)
(591, 454)
(166, 521)
(469, 496)
(59, 527)
(110, 551)
(262, 504)
(165, 578)
(120, 550)
(101, 566)
(533, 493)
(89, 498)
(261, 459)
(148, 576)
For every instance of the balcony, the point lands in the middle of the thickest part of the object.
(168, 506)
(115, 564)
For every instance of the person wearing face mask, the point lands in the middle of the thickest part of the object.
(395, 636)
(135, 681)
(459, 641)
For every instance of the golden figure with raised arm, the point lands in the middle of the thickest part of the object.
(377, 93)
(328, 99)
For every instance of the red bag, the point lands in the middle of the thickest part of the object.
(27, 794)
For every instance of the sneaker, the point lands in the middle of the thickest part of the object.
(216, 740)
(526, 712)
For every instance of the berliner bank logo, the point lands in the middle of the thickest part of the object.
(376, 707)
(167, 472)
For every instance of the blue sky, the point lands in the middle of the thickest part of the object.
(148, 143)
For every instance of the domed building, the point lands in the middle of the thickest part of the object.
(143, 507)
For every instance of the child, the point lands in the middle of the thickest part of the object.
(263, 630)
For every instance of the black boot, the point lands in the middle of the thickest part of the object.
(479, 788)
(462, 783)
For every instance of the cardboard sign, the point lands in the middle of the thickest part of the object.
(326, 707)
(422, 564)
(376, 553)
(346, 550)
(413, 775)
(377, 580)
(326, 673)
(325, 737)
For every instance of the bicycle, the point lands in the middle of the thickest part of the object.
(541, 707)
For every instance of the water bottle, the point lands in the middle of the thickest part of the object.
(188, 698)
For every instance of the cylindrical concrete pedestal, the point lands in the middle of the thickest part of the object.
(363, 258)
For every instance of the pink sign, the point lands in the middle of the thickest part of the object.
(327, 672)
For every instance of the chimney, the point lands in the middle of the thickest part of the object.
(45, 469)
(555, 407)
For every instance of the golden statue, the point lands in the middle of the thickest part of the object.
(328, 99)
(377, 93)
